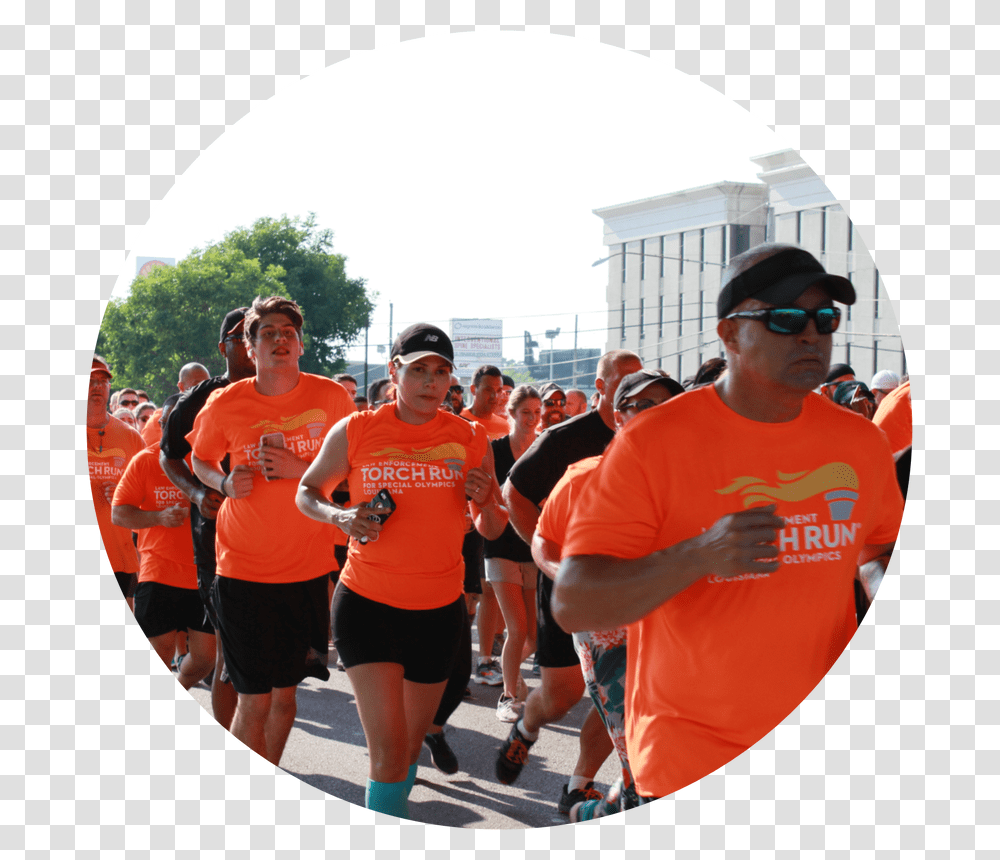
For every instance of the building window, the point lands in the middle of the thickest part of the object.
(642, 318)
(739, 240)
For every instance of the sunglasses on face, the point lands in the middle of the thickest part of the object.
(638, 405)
(553, 402)
(128, 403)
(793, 320)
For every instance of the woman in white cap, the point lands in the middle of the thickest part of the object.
(398, 605)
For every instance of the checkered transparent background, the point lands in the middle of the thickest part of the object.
(103, 105)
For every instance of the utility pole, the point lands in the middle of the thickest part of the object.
(576, 332)
(366, 360)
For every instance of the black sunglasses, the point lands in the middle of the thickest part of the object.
(793, 320)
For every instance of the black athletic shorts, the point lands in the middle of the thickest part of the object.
(163, 609)
(424, 641)
(127, 583)
(273, 634)
(555, 649)
(206, 577)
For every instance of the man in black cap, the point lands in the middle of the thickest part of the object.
(734, 572)
(553, 405)
(205, 501)
(838, 373)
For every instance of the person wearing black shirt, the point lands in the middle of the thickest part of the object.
(205, 501)
(528, 484)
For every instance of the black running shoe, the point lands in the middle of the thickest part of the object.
(569, 798)
(441, 754)
(512, 755)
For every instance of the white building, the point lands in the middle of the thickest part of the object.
(668, 252)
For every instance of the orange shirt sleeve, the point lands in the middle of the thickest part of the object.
(895, 416)
(554, 519)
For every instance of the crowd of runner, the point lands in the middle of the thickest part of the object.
(697, 577)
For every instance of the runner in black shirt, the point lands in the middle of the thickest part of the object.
(204, 500)
(528, 485)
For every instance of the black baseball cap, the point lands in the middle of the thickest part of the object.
(641, 380)
(232, 323)
(421, 340)
(548, 388)
(837, 371)
(844, 393)
(780, 279)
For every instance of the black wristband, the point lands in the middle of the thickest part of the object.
(222, 486)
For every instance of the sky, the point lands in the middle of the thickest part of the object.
(459, 174)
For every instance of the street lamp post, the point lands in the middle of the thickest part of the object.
(551, 334)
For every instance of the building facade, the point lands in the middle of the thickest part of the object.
(667, 254)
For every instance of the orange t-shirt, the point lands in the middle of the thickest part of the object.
(416, 563)
(152, 431)
(715, 668)
(107, 457)
(264, 537)
(554, 519)
(167, 555)
(895, 416)
(495, 426)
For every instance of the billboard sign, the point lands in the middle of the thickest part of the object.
(476, 342)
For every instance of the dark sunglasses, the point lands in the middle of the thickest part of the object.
(793, 320)
(128, 403)
(230, 337)
(554, 402)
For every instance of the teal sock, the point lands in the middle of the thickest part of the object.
(388, 798)
(411, 777)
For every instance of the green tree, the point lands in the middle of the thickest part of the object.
(336, 308)
(172, 316)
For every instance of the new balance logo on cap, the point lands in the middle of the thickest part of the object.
(432, 338)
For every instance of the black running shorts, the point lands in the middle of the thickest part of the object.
(424, 641)
(555, 649)
(163, 609)
(127, 583)
(273, 634)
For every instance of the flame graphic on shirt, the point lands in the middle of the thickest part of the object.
(452, 453)
(313, 419)
(839, 478)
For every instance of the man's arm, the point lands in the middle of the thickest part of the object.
(872, 563)
(523, 512)
(131, 517)
(546, 554)
(206, 499)
(598, 592)
(238, 484)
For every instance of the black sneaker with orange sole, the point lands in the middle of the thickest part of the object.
(569, 798)
(512, 756)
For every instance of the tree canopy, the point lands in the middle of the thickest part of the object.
(172, 315)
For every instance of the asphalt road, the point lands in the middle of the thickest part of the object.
(326, 749)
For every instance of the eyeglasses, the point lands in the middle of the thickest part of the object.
(638, 405)
(129, 404)
(554, 402)
(793, 320)
(230, 337)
